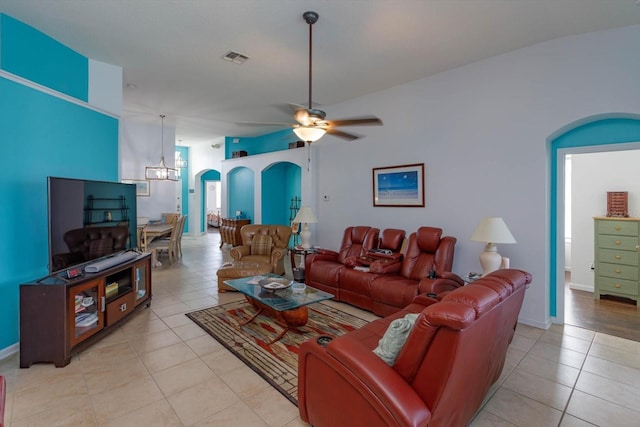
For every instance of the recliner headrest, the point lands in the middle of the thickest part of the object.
(428, 238)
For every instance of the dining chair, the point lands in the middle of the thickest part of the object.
(170, 244)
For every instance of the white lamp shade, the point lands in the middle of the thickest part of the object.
(305, 215)
(309, 133)
(492, 230)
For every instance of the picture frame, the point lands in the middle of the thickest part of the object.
(399, 186)
(143, 186)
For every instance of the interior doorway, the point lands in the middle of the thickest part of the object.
(213, 201)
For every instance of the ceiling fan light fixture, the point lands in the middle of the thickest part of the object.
(309, 133)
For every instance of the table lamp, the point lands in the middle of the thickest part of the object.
(305, 216)
(491, 230)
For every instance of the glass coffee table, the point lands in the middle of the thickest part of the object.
(279, 298)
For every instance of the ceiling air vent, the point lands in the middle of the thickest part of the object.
(235, 57)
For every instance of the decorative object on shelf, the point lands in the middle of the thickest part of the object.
(294, 207)
(142, 186)
(240, 153)
(305, 216)
(107, 216)
(618, 204)
(491, 230)
(161, 171)
(401, 186)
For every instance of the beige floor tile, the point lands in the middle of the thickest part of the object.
(522, 342)
(204, 344)
(189, 331)
(222, 361)
(116, 374)
(528, 331)
(202, 400)
(47, 395)
(198, 294)
(176, 320)
(522, 411)
(164, 300)
(238, 415)
(39, 374)
(601, 412)
(122, 400)
(537, 388)
(617, 342)
(145, 343)
(200, 303)
(167, 357)
(607, 389)
(92, 359)
(573, 331)
(571, 421)
(272, 407)
(562, 374)
(75, 412)
(611, 370)
(149, 326)
(566, 341)
(244, 381)
(486, 419)
(157, 414)
(181, 377)
(616, 355)
(558, 354)
(171, 309)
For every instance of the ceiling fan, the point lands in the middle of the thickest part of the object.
(311, 122)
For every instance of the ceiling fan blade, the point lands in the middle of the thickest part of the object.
(356, 122)
(262, 124)
(343, 135)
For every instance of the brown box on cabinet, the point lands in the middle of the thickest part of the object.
(618, 204)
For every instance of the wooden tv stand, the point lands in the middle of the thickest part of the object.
(60, 317)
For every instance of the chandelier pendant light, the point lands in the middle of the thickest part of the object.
(160, 171)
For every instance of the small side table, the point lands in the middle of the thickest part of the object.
(299, 250)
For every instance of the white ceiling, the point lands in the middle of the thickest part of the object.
(172, 50)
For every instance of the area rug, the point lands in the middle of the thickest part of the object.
(276, 363)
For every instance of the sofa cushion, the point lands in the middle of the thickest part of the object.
(261, 245)
(394, 338)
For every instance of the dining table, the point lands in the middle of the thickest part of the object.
(154, 231)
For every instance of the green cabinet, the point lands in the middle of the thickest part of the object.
(617, 265)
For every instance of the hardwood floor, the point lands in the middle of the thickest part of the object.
(610, 315)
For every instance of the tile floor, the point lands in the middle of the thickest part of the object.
(159, 369)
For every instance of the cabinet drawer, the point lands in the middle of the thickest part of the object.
(624, 243)
(615, 256)
(618, 271)
(120, 307)
(626, 287)
(618, 228)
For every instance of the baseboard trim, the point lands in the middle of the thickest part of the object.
(9, 351)
(579, 287)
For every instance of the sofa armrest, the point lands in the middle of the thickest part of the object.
(277, 254)
(447, 282)
(359, 382)
(238, 252)
(385, 266)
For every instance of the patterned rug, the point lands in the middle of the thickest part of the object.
(277, 363)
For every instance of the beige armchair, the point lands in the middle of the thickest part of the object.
(263, 243)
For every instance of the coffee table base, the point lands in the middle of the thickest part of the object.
(292, 319)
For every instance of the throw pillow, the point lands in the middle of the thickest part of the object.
(394, 338)
(261, 245)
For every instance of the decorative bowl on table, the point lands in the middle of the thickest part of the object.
(274, 283)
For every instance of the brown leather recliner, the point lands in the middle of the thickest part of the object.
(454, 353)
(263, 243)
(88, 243)
(323, 268)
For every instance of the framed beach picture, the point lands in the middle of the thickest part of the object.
(142, 186)
(399, 185)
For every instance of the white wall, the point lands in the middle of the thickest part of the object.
(140, 147)
(593, 175)
(481, 131)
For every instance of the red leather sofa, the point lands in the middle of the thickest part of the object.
(390, 284)
(455, 351)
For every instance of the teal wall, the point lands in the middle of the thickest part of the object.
(184, 189)
(267, 143)
(30, 54)
(280, 183)
(592, 133)
(212, 175)
(42, 136)
(241, 200)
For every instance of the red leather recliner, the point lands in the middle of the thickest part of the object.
(454, 353)
(322, 268)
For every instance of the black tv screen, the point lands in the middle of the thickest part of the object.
(89, 220)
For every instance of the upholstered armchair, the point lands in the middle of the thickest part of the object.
(263, 243)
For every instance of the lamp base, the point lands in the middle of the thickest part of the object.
(490, 259)
(305, 237)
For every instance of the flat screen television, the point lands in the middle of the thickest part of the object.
(89, 220)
